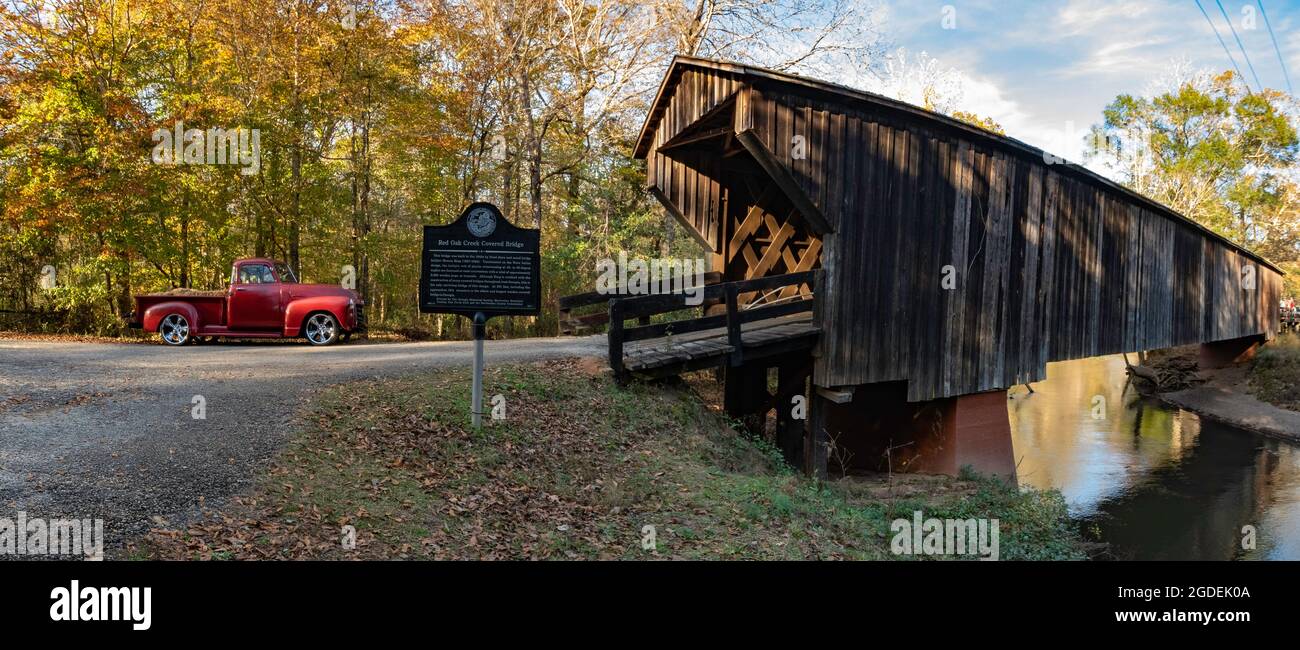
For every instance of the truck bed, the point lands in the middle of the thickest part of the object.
(216, 293)
(211, 305)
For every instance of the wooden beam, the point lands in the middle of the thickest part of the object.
(773, 252)
(805, 263)
(836, 395)
(753, 219)
(687, 138)
(677, 214)
(816, 220)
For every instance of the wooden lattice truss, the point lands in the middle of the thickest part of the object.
(770, 238)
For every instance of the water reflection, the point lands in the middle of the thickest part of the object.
(1154, 482)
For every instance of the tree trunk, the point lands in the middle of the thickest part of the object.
(124, 301)
(360, 150)
(534, 156)
(185, 246)
(295, 210)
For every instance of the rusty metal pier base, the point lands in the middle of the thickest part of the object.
(874, 428)
(1220, 354)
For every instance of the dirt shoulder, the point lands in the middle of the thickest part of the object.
(114, 432)
(578, 469)
(54, 337)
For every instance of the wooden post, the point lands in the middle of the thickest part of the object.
(616, 338)
(562, 315)
(734, 385)
(793, 376)
(815, 449)
(733, 327)
(745, 396)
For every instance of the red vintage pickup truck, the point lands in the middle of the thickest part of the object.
(264, 300)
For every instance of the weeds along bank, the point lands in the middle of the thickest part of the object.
(1275, 372)
(572, 467)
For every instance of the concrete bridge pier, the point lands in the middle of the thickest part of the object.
(874, 428)
(1220, 354)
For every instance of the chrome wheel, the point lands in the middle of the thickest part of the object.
(175, 330)
(322, 329)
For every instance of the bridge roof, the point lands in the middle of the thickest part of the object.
(844, 94)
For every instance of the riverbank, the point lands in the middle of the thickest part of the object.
(577, 469)
(1262, 395)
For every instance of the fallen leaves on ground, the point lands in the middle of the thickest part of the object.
(579, 469)
(528, 491)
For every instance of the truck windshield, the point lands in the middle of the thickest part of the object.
(286, 275)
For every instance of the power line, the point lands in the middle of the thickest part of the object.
(1228, 20)
(1222, 44)
(1275, 46)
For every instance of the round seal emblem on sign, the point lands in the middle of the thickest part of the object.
(481, 222)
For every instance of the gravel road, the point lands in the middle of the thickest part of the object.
(103, 430)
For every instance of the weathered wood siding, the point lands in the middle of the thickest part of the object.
(1049, 262)
(1047, 265)
(689, 181)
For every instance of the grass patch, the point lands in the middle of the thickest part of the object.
(578, 469)
(1275, 372)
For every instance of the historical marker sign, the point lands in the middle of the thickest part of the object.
(481, 264)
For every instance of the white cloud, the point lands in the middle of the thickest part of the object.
(1089, 17)
(1046, 71)
(1126, 57)
(1055, 135)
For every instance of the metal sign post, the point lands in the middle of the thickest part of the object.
(476, 394)
(480, 266)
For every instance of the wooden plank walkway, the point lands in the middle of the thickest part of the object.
(709, 348)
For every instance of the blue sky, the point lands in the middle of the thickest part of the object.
(1040, 67)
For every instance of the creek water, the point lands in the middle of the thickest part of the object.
(1154, 482)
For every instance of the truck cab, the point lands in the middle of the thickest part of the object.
(257, 294)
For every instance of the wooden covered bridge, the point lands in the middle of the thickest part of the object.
(901, 269)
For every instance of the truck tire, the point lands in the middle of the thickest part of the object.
(174, 329)
(321, 328)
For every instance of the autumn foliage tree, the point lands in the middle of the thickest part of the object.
(1212, 149)
(374, 117)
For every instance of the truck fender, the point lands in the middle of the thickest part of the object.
(154, 315)
(297, 312)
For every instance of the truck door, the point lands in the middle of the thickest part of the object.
(255, 299)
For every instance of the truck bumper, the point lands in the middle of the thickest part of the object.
(357, 319)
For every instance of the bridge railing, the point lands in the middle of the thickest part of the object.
(572, 323)
(624, 308)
